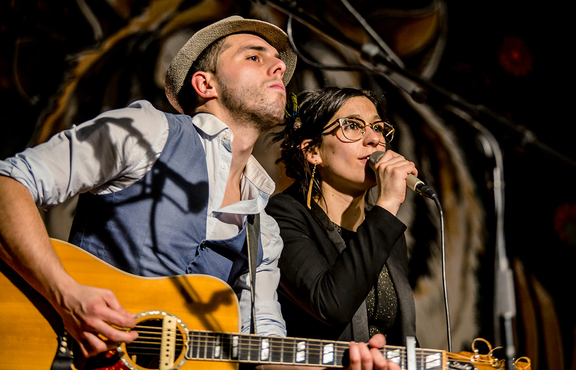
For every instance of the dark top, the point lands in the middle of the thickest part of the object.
(381, 302)
(325, 282)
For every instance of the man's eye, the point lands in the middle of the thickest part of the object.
(253, 57)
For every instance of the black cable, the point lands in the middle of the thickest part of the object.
(444, 280)
(355, 67)
(375, 37)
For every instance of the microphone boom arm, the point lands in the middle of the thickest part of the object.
(383, 65)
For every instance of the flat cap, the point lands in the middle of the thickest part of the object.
(182, 62)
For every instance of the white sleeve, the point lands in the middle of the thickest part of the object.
(105, 154)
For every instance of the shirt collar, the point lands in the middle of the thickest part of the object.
(209, 124)
(258, 176)
(254, 173)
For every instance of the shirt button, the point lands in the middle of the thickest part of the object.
(202, 246)
(227, 135)
(223, 166)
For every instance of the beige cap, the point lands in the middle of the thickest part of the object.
(183, 61)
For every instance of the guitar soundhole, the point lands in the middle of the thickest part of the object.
(147, 352)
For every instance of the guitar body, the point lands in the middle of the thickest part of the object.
(32, 332)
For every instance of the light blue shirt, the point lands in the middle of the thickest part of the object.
(118, 153)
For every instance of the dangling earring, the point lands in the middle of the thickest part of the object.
(309, 196)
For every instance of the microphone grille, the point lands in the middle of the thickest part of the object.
(375, 157)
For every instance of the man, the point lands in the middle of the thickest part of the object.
(162, 194)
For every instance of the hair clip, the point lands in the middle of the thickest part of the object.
(292, 111)
(297, 123)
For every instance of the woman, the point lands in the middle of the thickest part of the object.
(344, 270)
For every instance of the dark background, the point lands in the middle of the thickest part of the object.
(512, 57)
(533, 91)
(537, 182)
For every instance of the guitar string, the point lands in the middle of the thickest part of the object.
(248, 343)
(424, 360)
(226, 356)
(250, 340)
(246, 340)
(207, 352)
(200, 335)
(315, 356)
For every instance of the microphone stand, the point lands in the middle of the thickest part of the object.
(421, 90)
(504, 298)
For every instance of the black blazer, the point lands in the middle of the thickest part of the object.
(324, 282)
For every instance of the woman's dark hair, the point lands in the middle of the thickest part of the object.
(307, 121)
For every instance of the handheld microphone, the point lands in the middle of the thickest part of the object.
(412, 181)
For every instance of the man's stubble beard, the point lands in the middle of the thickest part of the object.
(262, 114)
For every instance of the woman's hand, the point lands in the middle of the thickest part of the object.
(391, 172)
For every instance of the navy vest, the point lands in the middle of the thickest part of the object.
(157, 226)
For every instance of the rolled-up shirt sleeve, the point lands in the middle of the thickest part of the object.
(105, 154)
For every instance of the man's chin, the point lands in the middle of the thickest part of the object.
(277, 113)
(272, 121)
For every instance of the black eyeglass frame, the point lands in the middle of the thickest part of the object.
(340, 122)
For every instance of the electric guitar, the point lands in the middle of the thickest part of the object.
(188, 322)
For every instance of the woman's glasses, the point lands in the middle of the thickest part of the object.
(354, 129)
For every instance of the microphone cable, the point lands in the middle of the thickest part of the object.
(444, 279)
(354, 67)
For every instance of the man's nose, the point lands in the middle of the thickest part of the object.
(278, 67)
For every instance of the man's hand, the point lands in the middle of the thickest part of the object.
(88, 313)
(93, 317)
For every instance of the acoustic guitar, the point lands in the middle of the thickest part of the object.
(187, 322)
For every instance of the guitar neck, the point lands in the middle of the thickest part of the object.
(208, 346)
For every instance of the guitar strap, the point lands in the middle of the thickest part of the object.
(252, 234)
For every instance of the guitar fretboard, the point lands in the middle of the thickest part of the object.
(275, 350)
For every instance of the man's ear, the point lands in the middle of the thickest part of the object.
(204, 83)
(312, 153)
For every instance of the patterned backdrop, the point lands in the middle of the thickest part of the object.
(65, 61)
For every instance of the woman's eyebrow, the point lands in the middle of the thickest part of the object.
(356, 115)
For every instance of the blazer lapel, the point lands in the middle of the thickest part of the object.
(331, 231)
(359, 324)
